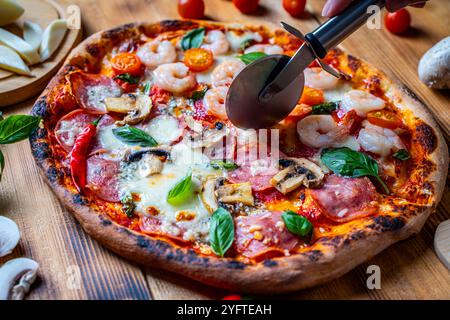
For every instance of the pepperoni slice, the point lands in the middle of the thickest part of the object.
(343, 199)
(70, 126)
(102, 177)
(263, 236)
(91, 90)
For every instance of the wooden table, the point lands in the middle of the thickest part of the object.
(74, 266)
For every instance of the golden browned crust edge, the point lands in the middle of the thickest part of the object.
(328, 258)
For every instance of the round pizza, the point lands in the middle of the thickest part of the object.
(136, 143)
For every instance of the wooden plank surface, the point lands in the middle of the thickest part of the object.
(73, 266)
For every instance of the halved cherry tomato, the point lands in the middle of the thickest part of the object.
(126, 63)
(232, 297)
(398, 22)
(312, 97)
(246, 6)
(294, 7)
(198, 59)
(384, 118)
(191, 9)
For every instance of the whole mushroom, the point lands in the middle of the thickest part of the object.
(434, 67)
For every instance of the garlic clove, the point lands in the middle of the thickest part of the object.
(32, 33)
(11, 61)
(52, 38)
(9, 234)
(22, 271)
(12, 41)
(11, 11)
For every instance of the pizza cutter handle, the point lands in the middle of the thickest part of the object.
(336, 29)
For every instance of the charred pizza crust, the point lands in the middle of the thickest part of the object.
(328, 258)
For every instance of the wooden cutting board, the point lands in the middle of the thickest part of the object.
(74, 266)
(15, 88)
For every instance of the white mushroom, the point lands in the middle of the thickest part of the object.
(136, 106)
(21, 271)
(434, 67)
(208, 195)
(236, 193)
(9, 236)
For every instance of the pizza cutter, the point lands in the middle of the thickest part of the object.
(268, 89)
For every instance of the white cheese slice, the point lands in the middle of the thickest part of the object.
(164, 129)
(11, 61)
(32, 33)
(10, 11)
(20, 46)
(52, 37)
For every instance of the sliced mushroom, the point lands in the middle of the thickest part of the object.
(9, 236)
(135, 156)
(208, 195)
(236, 193)
(150, 164)
(21, 270)
(209, 138)
(297, 172)
(136, 106)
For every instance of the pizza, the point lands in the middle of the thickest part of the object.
(136, 143)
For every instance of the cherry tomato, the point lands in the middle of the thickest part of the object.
(294, 7)
(311, 96)
(246, 6)
(191, 9)
(398, 22)
(232, 297)
(385, 119)
(198, 59)
(126, 63)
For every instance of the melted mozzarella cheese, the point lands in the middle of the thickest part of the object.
(237, 39)
(337, 92)
(164, 129)
(108, 140)
(153, 191)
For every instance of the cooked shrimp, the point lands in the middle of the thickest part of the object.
(214, 102)
(174, 77)
(156, 53)
(379, 140)
(321, 131)
(318, 79)
(266, 48)
(217, 42)
(225, 72)
(361, 101)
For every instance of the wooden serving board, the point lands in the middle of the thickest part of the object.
(15, 88)
(74, 266)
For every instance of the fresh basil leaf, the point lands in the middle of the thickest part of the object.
(223, 164)
(252, 56)
(221, 231)
(193, 39)
(402, 154)
(128, 205)
(2, 164)
(17, 127)
(181, 192)
(297, 224)
(325, 108)
(134, 136)
(198, 95)
(127, 78)
(353, 164)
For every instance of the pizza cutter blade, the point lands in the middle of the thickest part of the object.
(268, 89)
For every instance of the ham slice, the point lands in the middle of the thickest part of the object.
(344, 199)
(263, 236)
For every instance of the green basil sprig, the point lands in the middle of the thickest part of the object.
(297, 224)
(127, 78)
(252, 56)
(17, 127)
(193, 39)
(128, 205)
(198, 95)
(147, 88)
(181, 192)
(353, 164)
(325, 108)
(134, 136)
(221, 231)
(223, 164)
(402, 155)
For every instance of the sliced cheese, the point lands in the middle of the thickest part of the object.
(32, 33)
(10, 11)
(18, 44)
(52, 38)
(11, 61)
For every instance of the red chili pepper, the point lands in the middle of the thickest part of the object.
(232, 297)
(79, 155)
